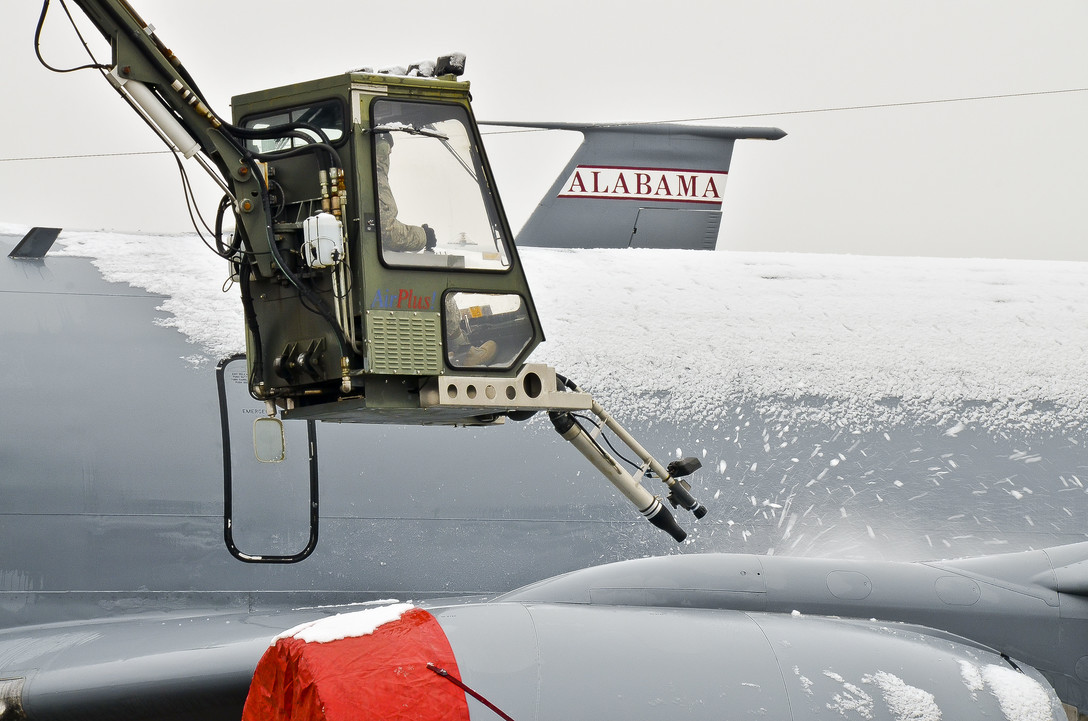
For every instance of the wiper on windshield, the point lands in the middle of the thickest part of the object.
(410, 129)
(430, 133)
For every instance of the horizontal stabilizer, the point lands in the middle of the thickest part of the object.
(36, 243)
(1070, 570)
(657, 185)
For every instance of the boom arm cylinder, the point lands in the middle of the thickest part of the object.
(157, 113)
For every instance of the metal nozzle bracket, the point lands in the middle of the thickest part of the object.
(534, 388)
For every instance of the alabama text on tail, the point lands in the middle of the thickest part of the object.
(634, 185)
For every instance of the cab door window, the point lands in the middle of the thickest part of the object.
(435, 207)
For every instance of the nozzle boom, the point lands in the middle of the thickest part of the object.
(646, 503)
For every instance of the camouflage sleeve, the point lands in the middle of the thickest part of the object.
(405, 238)
(396, 235)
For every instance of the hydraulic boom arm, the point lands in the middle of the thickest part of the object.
(386, 289)
(154, 82)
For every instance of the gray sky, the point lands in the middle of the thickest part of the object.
(991, 178)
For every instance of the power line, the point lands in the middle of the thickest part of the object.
(887, 105)
(809, 111)
(85, 155)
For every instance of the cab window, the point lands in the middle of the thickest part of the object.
(485, 330)
(435, 207)
(328, 116)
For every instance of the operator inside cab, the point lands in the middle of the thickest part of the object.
(436, 211)
(396, 236)
(430, 181)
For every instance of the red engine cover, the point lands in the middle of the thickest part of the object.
(382, 675)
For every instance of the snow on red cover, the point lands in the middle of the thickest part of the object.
(382, 675)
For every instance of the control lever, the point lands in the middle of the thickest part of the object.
(680, 491)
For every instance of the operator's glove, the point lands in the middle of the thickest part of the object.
(432, 239)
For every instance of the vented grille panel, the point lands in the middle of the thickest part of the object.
(404, 343)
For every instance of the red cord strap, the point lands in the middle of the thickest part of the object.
(458, 682)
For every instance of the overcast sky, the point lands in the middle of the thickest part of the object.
(1001, 177)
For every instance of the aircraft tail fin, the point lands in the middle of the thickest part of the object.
(35, 244)
(637, 185)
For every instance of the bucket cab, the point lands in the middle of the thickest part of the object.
(394, 292)
(377, 271)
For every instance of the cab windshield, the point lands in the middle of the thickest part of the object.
(435, 208)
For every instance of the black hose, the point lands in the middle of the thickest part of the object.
(224, 250)
(334, 157)
(38, 40)
(567, 382)
(604, 438)
(308, 293)
(276, 131)
(289, 130)
(244, 270)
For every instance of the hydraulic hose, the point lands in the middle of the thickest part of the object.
(308, 293)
